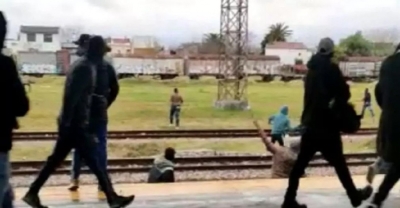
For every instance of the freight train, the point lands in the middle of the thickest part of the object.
(171, 66)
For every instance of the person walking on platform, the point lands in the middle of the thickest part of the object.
(176, 101)
(367, 104)
(106, 92)
(74, 130)
(283, 157)
(15, 103)
(325, 91)
(162, 170)
(387, 92)
(280, 125)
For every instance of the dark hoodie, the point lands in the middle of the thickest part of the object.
(324, 83)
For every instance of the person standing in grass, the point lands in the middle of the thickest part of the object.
(176, 101)
(280, 125)
(367, 104)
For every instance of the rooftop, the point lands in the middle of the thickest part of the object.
(39, 29)
(286, 45)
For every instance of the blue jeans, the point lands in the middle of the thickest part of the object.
(6, 197)
(174, 113)
(369, 107)
(101, 133)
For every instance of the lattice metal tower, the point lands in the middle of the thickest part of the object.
(232, 87)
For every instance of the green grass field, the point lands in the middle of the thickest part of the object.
(143, 104)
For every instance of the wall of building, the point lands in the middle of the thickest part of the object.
(39, 44)
(288, 56)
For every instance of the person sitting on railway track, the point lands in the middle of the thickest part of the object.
(283, 157)
(74, 130)
(162, 170)
(107, 89)
(387, 95)
(280, 125)
(15, 104)
(176, 101)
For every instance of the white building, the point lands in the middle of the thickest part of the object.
(39, 38)
(289, 52)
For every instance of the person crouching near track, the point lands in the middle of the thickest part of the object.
(163, 168)
(280, 125)
(283, 157)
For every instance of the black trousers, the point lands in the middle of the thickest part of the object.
(388, 183)
(277, 138)
(83, 142)
(329, 143)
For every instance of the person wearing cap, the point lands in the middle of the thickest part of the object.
(105, 93)
(75, 129)
(15, 104)
(162, 170)
(324, 83)
(387, 93)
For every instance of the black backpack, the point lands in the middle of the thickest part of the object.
(347, 118)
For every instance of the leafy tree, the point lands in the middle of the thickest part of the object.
(277, 32)
(211, 43)
(356, 45)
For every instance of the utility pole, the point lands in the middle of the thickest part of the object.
(232, 87)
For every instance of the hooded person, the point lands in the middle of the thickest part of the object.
(162, 170)
(387, 92)
(324, 83)
(74, 127)
(15, 104)
(105, 92)
(280, 125)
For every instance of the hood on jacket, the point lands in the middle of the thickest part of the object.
(162, 160)
(284, 110)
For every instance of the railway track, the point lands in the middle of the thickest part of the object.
(142, 165)
(162, 134)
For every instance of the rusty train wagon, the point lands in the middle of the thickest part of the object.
(161, 66)
(359, 69)
(37, 63)
(208, 65)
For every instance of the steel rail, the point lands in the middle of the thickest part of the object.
(141, 165)
(161, 134)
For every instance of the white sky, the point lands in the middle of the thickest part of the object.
(175, 21)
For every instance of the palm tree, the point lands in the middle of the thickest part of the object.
(277, 32)
(211, 43)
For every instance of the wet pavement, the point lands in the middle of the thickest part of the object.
(260, 198)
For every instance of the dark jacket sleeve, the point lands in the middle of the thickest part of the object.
(20, 100)
(338, 86)
(378, 94)
(77, 86)
(114, 86)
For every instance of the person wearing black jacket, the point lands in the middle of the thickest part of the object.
(14, 104)
(106, 91)
(387, 94)
(324, 87)
(74, 127)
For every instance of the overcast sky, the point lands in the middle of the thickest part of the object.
(175, 21)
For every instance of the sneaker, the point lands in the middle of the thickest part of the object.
(121, 201)
(366, 192)
(101, 195)
(74, 185)
(372, 205)
(293, 204)
(33, 200)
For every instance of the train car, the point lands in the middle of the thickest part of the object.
(162, 66)
(208, 65)
(361, 68)
(37, 63)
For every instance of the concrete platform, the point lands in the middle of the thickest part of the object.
(316, 192)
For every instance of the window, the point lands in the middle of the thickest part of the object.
(31, 37)
(48, 38)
